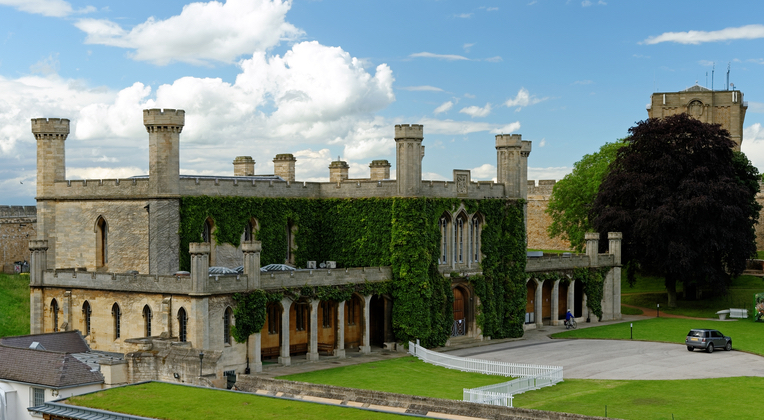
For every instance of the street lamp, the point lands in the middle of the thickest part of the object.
(201, 360)
(658, 309)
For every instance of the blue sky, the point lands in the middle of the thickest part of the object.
(322, 79)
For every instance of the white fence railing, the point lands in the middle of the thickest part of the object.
(530, 377)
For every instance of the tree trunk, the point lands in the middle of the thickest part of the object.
(671, 289)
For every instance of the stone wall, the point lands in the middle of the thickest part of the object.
(538, 220)
(17, 226)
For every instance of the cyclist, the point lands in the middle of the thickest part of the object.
(568, 317)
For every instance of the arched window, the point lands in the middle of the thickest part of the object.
(117, 314)
(54, 314)
(460, 240)
(475, 237)
(182, 324)
(207, 231)
(227, 325)
(102, 242)
(146, 321)
(86, 317)
(443, 226)
(250, 230)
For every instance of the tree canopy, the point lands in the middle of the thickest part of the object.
(684, 201)
(572, 197)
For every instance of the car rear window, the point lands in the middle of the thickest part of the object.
(694, 333)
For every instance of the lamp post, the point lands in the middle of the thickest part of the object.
(658, 309)
(201, 360)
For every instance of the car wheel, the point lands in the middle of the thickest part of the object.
(690, 348)
(710, 348)
(728, 347)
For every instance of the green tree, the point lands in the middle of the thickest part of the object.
(684, 201)
(572, 197)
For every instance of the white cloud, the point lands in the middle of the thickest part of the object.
(445, 106)
(425, 88)
(698, 37)
(485, 171)
(468, 95)
(753, 144)
(542, 142)
(54, 8)
(451, 127)
(706, 63)
(222, 32)
(757, 107)
(468, 46)
(522, 99)
(46, 66)
(476, 111)
(464, 15)
(583, 82)
(496, 59)
(448, 57)
(433, 176)
(557, 173)
(491, 9)
(506, 129)
(369, 148)
(586, 3)
(102, 173)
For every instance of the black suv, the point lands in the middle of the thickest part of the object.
(707, 340)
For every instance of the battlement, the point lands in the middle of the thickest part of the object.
(173, 117)
(50, 126)
(379, 163)
(544, 187)
(288, 157)
(18, 211)
(409, 131)
(509, 140)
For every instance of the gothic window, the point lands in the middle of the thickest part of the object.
(86, 316)
(146, 321)
(301, 311)
(207, 231)
(460, 241)
(182, 325)
(117, 315)
(102, 249)
(227, 325)
(326, 312)
(250, 231)
(54, 314)
(475, 237)
(273, 318)
(443, 226)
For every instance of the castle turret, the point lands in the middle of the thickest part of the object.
(243, 166)
(338, 171)
(512, 164)
(408, 158)
(164, 127)
(380, 169)
(283, 166)
(51, 134)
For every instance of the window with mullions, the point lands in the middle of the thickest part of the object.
(326, 312)
(443, 225)
(301, 311)
(273, 318)
(182, 325)
(475, 238)
(459, 239)
(117, 315)
(54, 314)
(146, 321)
(36, 397)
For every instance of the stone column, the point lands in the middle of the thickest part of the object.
(339, 351)
(167, 314)
(255, 343)
(538, 306)
(572, 297)
(67, 307)
(285, 358)
(36, 311)
(615, 239)
(408, 159)
(556, 303)
(592, 247)
(200, 266)
(200, 319)
(37, 266)
(251, 252)
(366, 347)
(313, 348)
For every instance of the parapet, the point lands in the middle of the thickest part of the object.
(409, 131)
(339, 164)
(285, 157)
(509, 140)
(379, 163)
(50, 126)
(174, 117)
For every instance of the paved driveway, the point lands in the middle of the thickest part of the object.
(612, 359)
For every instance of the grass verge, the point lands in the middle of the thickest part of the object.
(405, 375)
(176, 402)
(627, 310)
(14, 305)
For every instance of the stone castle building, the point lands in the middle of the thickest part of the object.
(105, 260)
(17, 227)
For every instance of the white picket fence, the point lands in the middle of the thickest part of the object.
(529, 377)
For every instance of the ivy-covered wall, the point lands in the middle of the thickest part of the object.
(399, 232)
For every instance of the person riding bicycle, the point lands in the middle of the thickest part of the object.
(568, 317)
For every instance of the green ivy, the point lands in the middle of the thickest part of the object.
(593, 280)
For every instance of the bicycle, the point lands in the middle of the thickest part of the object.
(572, 324)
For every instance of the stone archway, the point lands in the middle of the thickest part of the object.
(462, 312)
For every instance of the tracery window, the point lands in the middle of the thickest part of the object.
(54, 314)
(146, 321)
(86, 316)
(182, 325)
(443, 226)
(291, 245)
(250, 230)
(475, 237)
(460, 241)
(117, 315)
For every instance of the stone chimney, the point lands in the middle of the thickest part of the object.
(283, 166)
(380, 169)
(338, 171)
(243, 166)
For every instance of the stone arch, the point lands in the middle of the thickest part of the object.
(299, 326)
(270, 335)
(327, 321)
(86, 311)
(354, 321)
(54, 314)
(102, 242)
(182, 325)
(116, 314)
(380, 320)
(463, 313)
(461, 228)
(251, 229)
(147, 315)
(444, 225)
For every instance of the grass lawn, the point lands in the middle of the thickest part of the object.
(404, 375)
(721, 398)
(177, 402)
(631, 311)
(746, 334)
(14, 305)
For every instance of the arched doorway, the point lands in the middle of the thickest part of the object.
(377, 321)
(270, 335)
(530, 315)
(562, 307)
(546, 301)
(459, 326)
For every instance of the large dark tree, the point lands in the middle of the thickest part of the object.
(684, 201)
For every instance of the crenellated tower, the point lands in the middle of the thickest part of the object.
(512, 164)
(408, 159)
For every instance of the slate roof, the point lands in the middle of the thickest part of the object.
(47, 368)
(62, 342)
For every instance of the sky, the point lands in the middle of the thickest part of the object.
(328, 79)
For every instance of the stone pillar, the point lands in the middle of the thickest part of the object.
(167, 314)
(285, 358)
(592, 248)
(313, 347)
(607, 293)
(525, 151)
(556, 303)
(380, 169)
(200, 265)
(408, 159)
(251, 264)
(366, 346)
(615, 239)
(200, 319)
(37, 266)
(67, 307)
(283, 166)
(243, 166)
(338, 171)
(340, 350)
(572, 297)
(538, 306)
(36, 311)
(256, 345)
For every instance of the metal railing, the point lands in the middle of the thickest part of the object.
(529, 376)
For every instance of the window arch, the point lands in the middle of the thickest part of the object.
(207, 230)
(182, 325)
(476, 227)
(86, 317)
(146, 321)
(117, 315)
(460, 239)
(227, 317)
(250, 230)
(102, 242)
(54, 314)
(443, 225)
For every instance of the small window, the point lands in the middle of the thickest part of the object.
(301, 310)
(273, 318)
(207, 231)
(353, 306)
(326, 311)
(37, 397)
(117, 315)
(147, 321)
(227, 325)
(182, 324)
(102, 243)
(443, 226)
(86, 317)
(54, 314)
